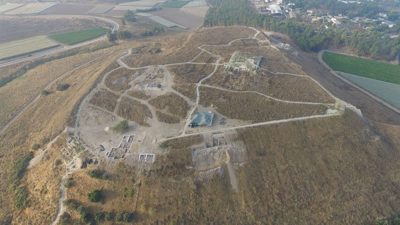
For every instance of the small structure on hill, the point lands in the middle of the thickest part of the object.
(242, 62)
(202, 119)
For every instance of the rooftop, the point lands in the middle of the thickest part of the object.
(202, 119)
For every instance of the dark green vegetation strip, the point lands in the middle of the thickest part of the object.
(71, 38)
(19, 168)
(363, 67)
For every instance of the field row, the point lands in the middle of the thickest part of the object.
(39, 43)
(378, 78)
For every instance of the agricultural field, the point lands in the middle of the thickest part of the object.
(76, 37)
(31, 8)
(69, 9)
(179, 16)
(8, 6)
(174, 3)
(387, 91)
(137, 5)
(196, 8)
(363, 67)
(101, 9)
(13, 28)
(25, 46)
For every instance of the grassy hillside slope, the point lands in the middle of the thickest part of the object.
(327, 171)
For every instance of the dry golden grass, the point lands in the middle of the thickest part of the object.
(27, 87)
(188, 90)
(297, 173)
(134, 111)
(122, 178)
(318, 171)
(167, 118)
(41, 123)
(221, 35)
(172, 104)
(43, 183)
(105, 99)
(253, 107)
(183, 47)
(119, 79)
(205, 58)
(283, 87)
(139, 94)
(190, 73)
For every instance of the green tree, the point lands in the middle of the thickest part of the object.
(121, 127)
(130, 16)
(95, 196)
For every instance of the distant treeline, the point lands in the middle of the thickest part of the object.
(375, 42)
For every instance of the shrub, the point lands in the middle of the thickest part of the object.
(119, 217)
(109, 216)
(95, 196)
(62, 87)
(21, 197)
(65, 218)
(69, 183)
(130, 16)
(99, 174)
(72, 204)
(124, 34)
(121, 127)
(129, 192)
(112, 36)
(19, 168)
(99, 217)
(35, 146)
(127, 217)
(45, 92)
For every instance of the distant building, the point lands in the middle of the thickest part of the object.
(275, 9)
(202, 119)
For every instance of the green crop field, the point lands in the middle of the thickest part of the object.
(174, 4)
(76, 37)
(363, 67)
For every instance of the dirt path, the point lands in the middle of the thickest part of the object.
(198, 85)
(266, 96)
(256, 125)
(70, 169)
(231, 173)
